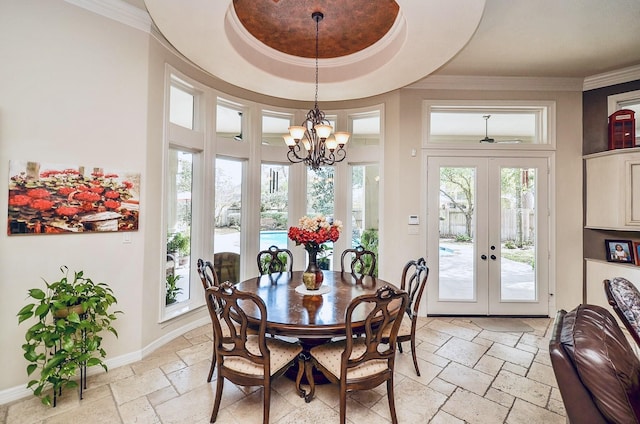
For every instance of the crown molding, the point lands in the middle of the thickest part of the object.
(119, 11)
(606, 79)
(462, 82)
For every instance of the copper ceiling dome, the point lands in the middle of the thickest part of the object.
(349, 26)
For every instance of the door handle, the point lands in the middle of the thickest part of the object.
(483, 257)
(493, 257)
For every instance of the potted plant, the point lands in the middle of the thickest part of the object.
(71, 315)
(172, 289)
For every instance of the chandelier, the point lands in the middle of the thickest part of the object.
(320, 147)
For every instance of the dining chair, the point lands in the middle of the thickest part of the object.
(358, 261)
(366, 361)
(209, 278)
(414, 280)
(624, 297)
(274, 260)
(244, 358)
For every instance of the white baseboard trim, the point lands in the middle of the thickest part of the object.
(19, 392)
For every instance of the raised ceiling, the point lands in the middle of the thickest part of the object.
(372, 47)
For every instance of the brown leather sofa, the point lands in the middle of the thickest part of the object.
(596, 369)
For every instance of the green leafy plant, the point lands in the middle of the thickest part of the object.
(323, 256)
(179, 242)
(71, 314)
(265, 262)
(172, 289)
(370, 241)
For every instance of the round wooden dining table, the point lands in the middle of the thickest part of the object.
(312, 318)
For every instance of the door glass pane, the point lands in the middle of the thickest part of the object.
(274, 206)
(228, 213)
(457, 229)
(473, 127)
(518, 247)
(364, 209)
(179, 184)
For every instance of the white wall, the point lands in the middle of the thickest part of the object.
(73, 90)
(76, 87)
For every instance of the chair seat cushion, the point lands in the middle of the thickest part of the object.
(329, 356)
(604, 361)
(404, 330)
(281, 354)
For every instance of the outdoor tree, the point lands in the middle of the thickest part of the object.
(455, 182)
(516, 182)
(321, 190)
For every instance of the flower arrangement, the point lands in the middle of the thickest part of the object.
(57, 199)
(313, 231)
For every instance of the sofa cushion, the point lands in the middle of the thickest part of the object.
(604, 361)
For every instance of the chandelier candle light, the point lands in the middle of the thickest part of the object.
(311, 232)
(321, 147)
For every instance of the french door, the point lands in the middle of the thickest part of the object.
(488, 221)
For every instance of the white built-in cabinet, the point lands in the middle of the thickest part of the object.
(612, 203)
(613, 190)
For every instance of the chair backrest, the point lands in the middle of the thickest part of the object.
(209, 278)
(234, 314)
(274, 260)
(624, 297)
(595, 367)
(371, 313)
(414, 280)
(358, 261)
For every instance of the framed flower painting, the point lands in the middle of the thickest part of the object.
(53, 199)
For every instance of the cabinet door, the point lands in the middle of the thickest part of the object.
(633, 193)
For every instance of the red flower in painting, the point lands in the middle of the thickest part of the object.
(65, 190)
(67, 210)
(128, 185)
(111, 176)
(19, 200)
(112, 194)
(97, 189)
(87, 206)
(38, 193)
(87, 196)
(111, 204)
(41, 204)
(82, 187)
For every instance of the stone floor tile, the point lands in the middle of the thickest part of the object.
(133, 387)
(246, 409)
(453, 330)
(443, 418)
(138, 411)
(431, 336)
(474, 409)
(526, 413)
(154, 361)
(101, 411)
(527, 348)
(543, 374)
(196, 353)
(314, 412)
(535, 341)
(102, 377)
(504, 399)
(466, 378)
(522, 387)
(442, 386)
(483, 342)
(162, 395)
(510, 354)
(507, 339)
(188, 378)
(462, 351)
(489, 365)
(543, 357)
(196, 406)
(516, 369)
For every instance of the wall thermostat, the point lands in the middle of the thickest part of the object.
(413, 220)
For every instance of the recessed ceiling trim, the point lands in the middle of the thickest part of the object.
(428, 35)
(117, 10)
(605, 79)
(460, 82)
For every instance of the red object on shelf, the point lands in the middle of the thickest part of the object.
(622, 129)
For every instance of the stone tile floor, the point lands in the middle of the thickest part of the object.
(469, 375)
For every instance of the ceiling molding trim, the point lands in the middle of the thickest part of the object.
(606, 79)
(462, 82)
(119, 11)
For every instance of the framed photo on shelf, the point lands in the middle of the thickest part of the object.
(636, 251)
(620, 251)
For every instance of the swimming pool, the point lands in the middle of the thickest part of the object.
(273, 238)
